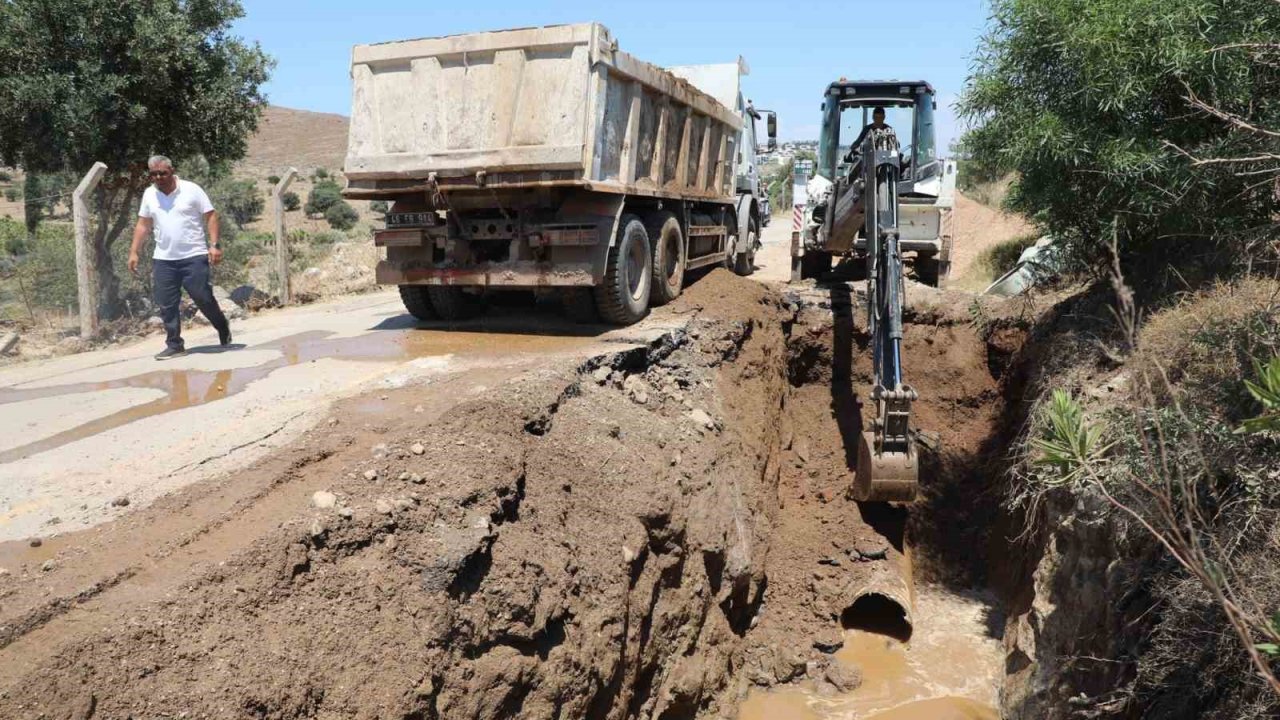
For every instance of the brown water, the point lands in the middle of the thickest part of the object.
(948, 671)
(185, 388)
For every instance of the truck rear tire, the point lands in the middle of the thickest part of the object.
(623, 297)
(417, 302)
(451, 303)
(744, 263)
(668, 257)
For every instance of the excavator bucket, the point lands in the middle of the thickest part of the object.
(885, 476)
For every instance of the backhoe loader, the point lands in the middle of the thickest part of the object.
(874, 203)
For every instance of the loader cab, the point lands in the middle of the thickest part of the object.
(909, 108)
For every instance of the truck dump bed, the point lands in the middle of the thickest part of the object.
(532, 107)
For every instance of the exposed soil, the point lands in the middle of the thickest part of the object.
(646, 534)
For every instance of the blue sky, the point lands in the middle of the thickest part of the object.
(794, 49)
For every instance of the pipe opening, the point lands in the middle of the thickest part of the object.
(879, 614)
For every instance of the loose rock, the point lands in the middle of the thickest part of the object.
(370, 474)
(120, 502)
(323, 499)
(417, 449)
(700, 416)
(383, 507)
(834, 677)
(47, 566)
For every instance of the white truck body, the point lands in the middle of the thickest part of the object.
(559, 105)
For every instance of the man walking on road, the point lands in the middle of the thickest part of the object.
(177, 212)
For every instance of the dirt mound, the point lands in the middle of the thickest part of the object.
(583, 543)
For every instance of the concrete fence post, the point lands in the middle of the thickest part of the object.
(282, 242)
(86, 252)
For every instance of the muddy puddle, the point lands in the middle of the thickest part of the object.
(949, 669)
(190, 387)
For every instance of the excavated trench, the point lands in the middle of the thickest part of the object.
(661, 532)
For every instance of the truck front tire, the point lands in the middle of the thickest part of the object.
(417, 302)
(623, 297)
(668, 257)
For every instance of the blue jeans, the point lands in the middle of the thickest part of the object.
(170, 277)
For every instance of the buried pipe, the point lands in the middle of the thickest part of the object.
(882, 599)
(877, 613)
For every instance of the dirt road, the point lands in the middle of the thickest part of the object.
(81, 432)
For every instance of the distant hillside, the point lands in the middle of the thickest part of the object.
(301, 138)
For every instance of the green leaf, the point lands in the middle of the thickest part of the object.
(1268, 648)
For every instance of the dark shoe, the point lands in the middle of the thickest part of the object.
(170, 353)
(225, 340)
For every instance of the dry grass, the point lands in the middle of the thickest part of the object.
(1178, 472)
(1206, 343)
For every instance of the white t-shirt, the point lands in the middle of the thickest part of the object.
(177, 220)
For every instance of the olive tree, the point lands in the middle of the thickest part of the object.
(1149, 123)
(116, 82)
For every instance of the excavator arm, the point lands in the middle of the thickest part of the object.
(888, 464)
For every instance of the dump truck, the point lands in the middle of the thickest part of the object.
(547, 159)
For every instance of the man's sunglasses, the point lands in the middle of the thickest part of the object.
(160, 173)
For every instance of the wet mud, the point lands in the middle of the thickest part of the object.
(187, 388)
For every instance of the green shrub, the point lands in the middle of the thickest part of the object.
(341, 216)
(1069, 445)
(291, 200)
(379, 206)
(320, 174)
(1093, 105)
(1267, 392)
(12, 194)
(13, 237)
(239, 199)
(328, 237)
(6, 176)
(323, 196)
(238, 256)
(273, 179)
(49, 267)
